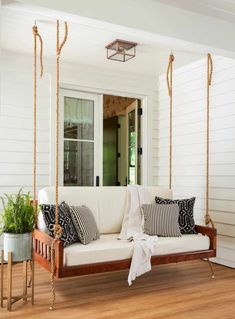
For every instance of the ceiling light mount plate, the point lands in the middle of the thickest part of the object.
(121, 50)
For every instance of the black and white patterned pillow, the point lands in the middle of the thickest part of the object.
(186, 220)
(161, 220)
(85, 224)
(69, 234)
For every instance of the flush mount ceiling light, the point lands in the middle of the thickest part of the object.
(121, 50)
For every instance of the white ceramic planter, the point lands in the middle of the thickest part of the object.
(19, 244)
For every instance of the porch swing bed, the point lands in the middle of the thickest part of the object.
(108, 205)
(107, 253)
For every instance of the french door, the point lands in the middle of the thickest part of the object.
(82, 138)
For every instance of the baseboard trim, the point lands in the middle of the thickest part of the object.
(223, 262)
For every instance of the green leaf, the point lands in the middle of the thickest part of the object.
(18, 215)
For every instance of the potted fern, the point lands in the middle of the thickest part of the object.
(18, 222)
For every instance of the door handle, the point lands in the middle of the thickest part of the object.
(97, 181)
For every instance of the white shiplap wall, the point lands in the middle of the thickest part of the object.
(16, 127)
(189, 127)
(16, 113)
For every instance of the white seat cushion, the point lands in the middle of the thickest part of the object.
(107, 203)
(108, 248)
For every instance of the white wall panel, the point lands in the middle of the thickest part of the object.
(21, 169)
(189, 128)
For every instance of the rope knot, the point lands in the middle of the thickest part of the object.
(171, 58)
(208, 220)
(57, 231)
(210, 68)
(169, 74)
(35, 30)
(37, 35)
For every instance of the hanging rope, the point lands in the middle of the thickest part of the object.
(169, 86)
(36, 35)
(58, 52)
(57, 227)
(208, 219)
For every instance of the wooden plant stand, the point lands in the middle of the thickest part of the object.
(12, 299)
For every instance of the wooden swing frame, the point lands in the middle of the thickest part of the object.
(42, 244)
(49, 251)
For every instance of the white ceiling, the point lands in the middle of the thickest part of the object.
(220, 9)
(86, 43)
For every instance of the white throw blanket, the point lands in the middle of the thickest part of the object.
(132, 229)
(141, 259)
(133, 220)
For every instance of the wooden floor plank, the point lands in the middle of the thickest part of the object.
(176, 291)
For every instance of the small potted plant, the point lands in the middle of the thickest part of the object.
(18, 222)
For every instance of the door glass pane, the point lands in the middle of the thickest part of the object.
(131, 147)
(78, 142)
(78, 163)
(78, 118)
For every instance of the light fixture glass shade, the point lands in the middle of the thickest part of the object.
(121, 50)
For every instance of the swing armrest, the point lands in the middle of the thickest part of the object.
(210, 232)
(42, 243)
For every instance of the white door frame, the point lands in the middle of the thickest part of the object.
(101, 92)
(132, 107)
